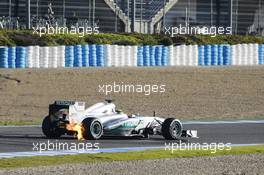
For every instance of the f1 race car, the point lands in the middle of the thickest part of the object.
(102, 119)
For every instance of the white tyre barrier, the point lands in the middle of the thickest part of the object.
(195, 55)
(30, 56)
(250, 54)
(189, 53)
(122, 56)
(236, 55)
(53, 57)
(127, 56)
(134, 53)
(115, 56)
(44, 57)
(245, 55)
(182, 56)
(171, 56)
(177, 55)
(255, 55)
(36, 63)
(61, 56)
(108, 56)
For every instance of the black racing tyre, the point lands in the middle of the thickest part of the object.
(93, 129)
(171, 129)
(49, 129)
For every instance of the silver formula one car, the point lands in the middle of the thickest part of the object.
(102, 119)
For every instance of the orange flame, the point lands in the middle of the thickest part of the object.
(78, 128)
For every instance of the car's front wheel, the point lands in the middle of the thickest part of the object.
(50, 129)
(171, 129)
(93, 129)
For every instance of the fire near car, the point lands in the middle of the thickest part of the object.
(102, 119)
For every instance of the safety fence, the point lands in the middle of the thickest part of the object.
(130, 56)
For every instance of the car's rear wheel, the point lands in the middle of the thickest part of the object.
(50, 129)
(171, 129)
(93, 129)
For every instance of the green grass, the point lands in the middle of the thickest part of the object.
(27, 38)
(109, 157)
(19, 123)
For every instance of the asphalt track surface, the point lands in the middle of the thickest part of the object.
(21, 139)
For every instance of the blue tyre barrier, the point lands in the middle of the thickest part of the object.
(69, 56)
(3, 57)
(158, 56)
(146, 56)
(261, 54)
(92, 56)
(164, 59)
(214, 49)
(85, 56)
(140, 61)
(12, 57)
(220, 55)
(21, 53)
(207, 55)
(227, 55)
(100, 55)
(152, 56)
(77, 56)
(201, 55)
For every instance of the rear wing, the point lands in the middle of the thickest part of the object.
(69, 106)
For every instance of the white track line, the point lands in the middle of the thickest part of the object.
(104, 150)
(223, 122)
(23, 126)
(57, 153)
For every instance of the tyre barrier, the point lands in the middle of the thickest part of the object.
(69, 56)
(158, 56)
(152, 61)
(201, 55)
(131, 56)
(11, 57)
(207, 55)
(61, 56)
(164, 58)
(44, 57)
(92, 56)
(77, 56)
(4, 57)
(214, 55)
(85, 56)
(220, 59)
(127, 56)
(21, 60)
(140, 59)
(227, 52)
(146, 55)
(261, 54)
(100, 60)
(53, 57)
